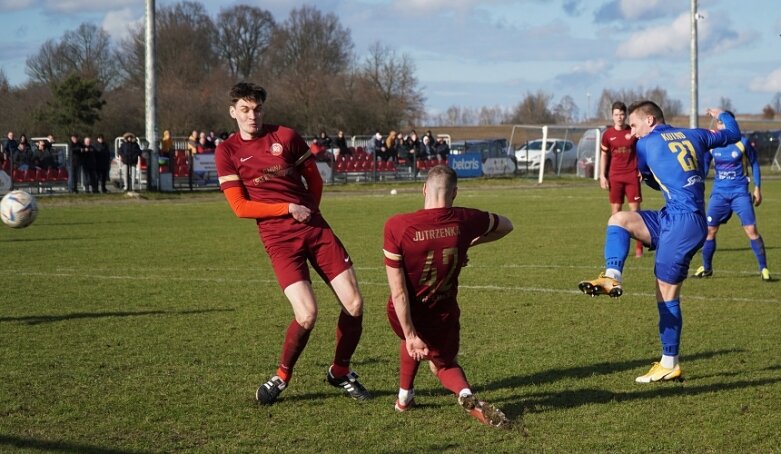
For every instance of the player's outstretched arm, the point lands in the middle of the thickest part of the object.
(503, 227)
(416, 348)
(250, 209)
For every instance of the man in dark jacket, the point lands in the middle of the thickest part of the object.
(129, 151)
(74, 172)
(102, 161)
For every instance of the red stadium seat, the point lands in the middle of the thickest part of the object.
(62, 175)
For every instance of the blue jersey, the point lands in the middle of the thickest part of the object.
(674, 157)
(730, 167)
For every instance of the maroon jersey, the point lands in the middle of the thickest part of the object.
(620, 147)
(267, 167)
(430, 246)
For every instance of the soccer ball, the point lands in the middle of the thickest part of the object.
(18, 209)
(394, 192)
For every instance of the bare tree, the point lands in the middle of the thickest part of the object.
(566, 110)
(534, 109)
(243, 36)
(308, 63)
(185, 46)
(670, 107)
(726, 104)
(392, 78)
(86, 51)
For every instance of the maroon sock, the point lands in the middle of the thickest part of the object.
(453, 379)
(295, 341)
(348, 333)
(408, 368)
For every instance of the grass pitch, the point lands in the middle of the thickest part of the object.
(146, 326)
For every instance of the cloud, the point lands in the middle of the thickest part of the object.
(81, 6)
(119, 23)
(658, 41)
(584, 74)
(16, 5)
(632, 10)
(770, 83)
(573, 7)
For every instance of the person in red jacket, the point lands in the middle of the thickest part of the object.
(260, 171)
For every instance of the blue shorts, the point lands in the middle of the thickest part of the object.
(676, 237)
(721, 206)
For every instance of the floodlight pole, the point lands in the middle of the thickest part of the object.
(693, 115)
(150, 96)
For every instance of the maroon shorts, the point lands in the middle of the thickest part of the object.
(291, 244)
(627, 185)
(441, 331)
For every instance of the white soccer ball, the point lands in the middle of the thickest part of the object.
(18, 209)
(394, 192)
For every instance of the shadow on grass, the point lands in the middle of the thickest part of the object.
(553, 375)
(62, 446)
(38, 319)
(542, 402)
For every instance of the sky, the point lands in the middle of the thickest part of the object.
(474, 53)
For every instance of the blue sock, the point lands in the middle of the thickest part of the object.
(670, 325)
(616, 247)
(758, 246)
(708, 249)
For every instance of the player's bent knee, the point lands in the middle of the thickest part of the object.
(307, 321)
(354, 306)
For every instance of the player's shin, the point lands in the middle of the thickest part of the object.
(708, 249)
(453, 379)
(670, 326)
(296, 339)
(617, 241)
(758, 246)
(348, 334)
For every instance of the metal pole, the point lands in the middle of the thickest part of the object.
(150, 95)
(693, 115)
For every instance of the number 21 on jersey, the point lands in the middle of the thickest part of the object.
(685, 153)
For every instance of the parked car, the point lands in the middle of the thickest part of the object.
(560, 154)
(766, 143)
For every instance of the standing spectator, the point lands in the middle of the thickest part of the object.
(74, 172)
(192, 143)
(9, 147)
(442, 149)
(402, 153)
(341, 144)
(730, 195)
(430, 136)
(129, 152)
(102, 161)
(89, 166)
(167, 145)
(424, 253)
(261, 172)
(670, 160)
(618, 166)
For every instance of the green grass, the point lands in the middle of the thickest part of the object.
(146, 326)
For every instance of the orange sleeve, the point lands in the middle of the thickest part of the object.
(244, 208)
(313, 180)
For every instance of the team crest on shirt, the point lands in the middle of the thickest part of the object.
(276, 148)
(735, 154)
(628, 136)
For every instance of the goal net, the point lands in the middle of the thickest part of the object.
(554, 151)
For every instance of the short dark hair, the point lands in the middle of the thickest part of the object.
(247, 91)
(618, 105)
(447, 174)
(648, 108)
